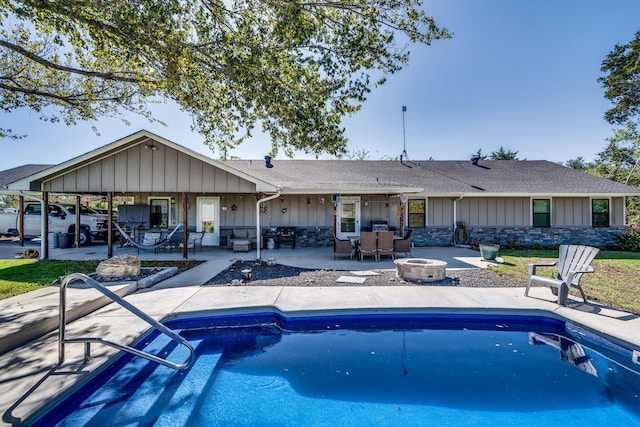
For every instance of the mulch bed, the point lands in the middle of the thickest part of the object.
(282, 275)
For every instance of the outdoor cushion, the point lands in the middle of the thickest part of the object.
(239, 233)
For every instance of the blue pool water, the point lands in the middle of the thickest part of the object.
(364, 370)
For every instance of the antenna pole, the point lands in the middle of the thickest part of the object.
(404, 144)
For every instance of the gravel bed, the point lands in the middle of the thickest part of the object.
(282, 275)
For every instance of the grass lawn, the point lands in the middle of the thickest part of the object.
(615, 282)
(18, 276)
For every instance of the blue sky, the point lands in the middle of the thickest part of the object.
(517, 74)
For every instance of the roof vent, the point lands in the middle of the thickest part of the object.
(475, 160)
(267, 161)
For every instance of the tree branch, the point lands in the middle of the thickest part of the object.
(49, 64)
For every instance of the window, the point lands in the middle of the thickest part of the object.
(416, 213)
(541, 213)
(33, 209)
(600, 212)
(160, 212)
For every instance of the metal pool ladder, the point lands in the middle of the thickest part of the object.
(62, 340)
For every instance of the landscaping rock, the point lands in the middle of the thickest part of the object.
(119, 266)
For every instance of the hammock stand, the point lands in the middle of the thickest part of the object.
(146, 247)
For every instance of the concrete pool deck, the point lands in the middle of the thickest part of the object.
(29, 378)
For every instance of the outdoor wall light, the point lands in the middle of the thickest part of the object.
(153, 147)
(267, 161)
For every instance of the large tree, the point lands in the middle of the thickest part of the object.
(622, 81)
(293, 68)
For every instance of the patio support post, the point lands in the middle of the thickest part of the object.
(109, 224)
(78, 211)
(455, 218)
(258, 234)
(185, 226)
(44, 226)
(21, 219)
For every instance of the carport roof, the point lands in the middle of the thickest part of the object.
(14, 174)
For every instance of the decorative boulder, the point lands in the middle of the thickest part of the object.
(119, 266)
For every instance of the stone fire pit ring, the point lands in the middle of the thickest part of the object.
(421, 269)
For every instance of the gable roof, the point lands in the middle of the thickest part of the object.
(433, 177)
(33, 181)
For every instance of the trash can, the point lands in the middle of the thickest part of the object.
(53, 240)
(65, 240)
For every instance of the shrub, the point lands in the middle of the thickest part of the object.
(537, 246)
(475, 244)
(514, 242)
(628, 241)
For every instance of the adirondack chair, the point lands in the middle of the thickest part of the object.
(573, 262)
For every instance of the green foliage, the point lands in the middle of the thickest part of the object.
(513, 242)
(503, 154)
(293, 68)
(579, 163)
(628, 241)
(622, 69)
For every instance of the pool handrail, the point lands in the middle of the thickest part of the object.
(62, 340)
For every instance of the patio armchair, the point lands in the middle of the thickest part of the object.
(573, 262)
(342, 247)
(243, 234)
(194, 239)
(403, 245)
(368, 245)
(385, 244)
(150, 239)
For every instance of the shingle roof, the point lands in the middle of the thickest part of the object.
(10, 175)
(508, 177)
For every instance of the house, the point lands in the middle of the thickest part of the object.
(540, 202)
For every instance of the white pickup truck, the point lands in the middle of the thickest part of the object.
(62, 219)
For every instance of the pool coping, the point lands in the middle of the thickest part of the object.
(30, 387)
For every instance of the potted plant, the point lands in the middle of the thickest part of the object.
(489, 251)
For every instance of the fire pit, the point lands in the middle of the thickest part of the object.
(421, 269)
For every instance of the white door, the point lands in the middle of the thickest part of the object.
(208, 220)
(348, 217)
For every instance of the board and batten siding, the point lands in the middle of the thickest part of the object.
(570, 211)
(617, 211)
(500, 211)
(140, 169)
(439, 211)
(298, 213)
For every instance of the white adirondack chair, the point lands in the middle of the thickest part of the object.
(573, 262)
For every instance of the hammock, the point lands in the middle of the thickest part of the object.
(156, 245)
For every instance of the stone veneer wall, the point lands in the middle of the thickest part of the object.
(305, 237)
(527, 236)
(443, 236)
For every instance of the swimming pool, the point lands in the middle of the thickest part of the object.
(264, 369)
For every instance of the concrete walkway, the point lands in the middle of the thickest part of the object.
(30, 379)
